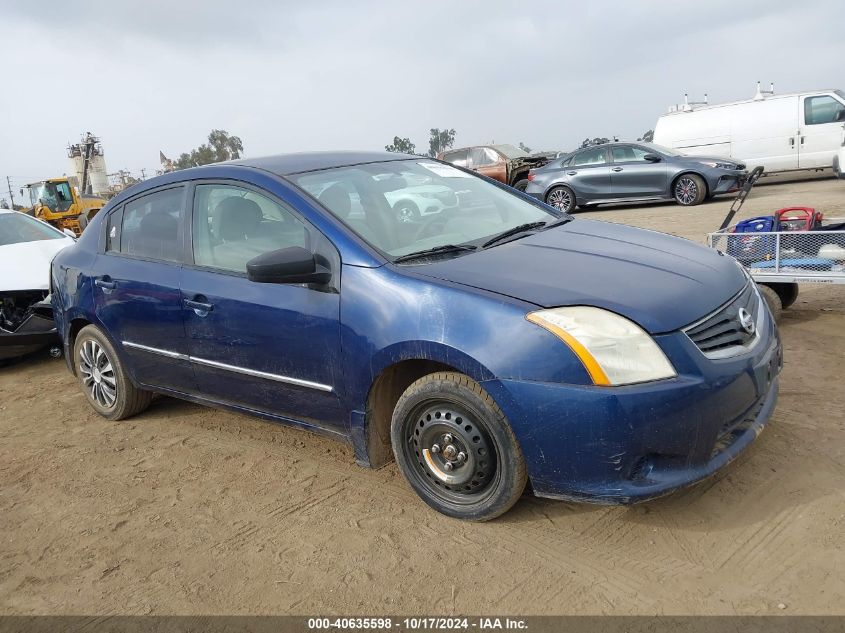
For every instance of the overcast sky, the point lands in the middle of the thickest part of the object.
(290, 76)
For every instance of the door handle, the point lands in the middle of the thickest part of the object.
(571, 173)
(105, 283)
(792, 141)
(617, 169)
(802, 140)
(200, 307)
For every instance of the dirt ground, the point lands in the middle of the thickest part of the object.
(190, 510)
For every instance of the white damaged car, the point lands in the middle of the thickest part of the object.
(27, 247)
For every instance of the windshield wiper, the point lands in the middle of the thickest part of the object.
(522, 228)
(445, 248)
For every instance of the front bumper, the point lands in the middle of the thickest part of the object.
(35, 332)
(627, 444)
(726, 181)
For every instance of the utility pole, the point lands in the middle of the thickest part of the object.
(9, 185)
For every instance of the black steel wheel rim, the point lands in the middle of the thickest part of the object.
(560, 199)
(450, 452)
(686, 190)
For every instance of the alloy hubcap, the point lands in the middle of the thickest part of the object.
(560, 199)
(406, 214)
(686, 190)
(97, 374)
(452, 452)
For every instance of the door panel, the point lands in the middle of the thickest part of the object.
(137, 298)
(633, 177)
(589, 174)
(821, 130)
(268, 347)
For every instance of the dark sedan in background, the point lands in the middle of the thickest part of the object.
(632, 172)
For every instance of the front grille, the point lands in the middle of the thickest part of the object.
(722, 333)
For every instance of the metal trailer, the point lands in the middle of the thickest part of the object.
(780, 260)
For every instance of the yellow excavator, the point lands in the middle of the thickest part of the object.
(56, 201)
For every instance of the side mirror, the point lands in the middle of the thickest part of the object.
(69, 233)
(294, 265)
(652, 158)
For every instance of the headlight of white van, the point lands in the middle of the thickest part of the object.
(613, 350)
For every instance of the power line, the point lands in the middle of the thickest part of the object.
(9, 185)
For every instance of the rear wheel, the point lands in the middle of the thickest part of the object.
(103, 378)
(456, 449)
(689, 190)
(561, 198)
(773, 300)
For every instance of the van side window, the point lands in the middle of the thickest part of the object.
(820, 110)
(153, 224)
(232, 225)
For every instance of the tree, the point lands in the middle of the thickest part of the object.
(440, 141)
(648, 137)
(401, 145)
(220, 147)
(524, 147)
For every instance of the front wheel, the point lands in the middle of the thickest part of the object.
(689, 190)
(456, 449)
(561, 198)
(103, 378)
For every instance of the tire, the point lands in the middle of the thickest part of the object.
(773, 301)
(561, 198)
(689, 190)
(490, 477)
(787, 292)
(521, 184)
(407, 211)
(97, 365)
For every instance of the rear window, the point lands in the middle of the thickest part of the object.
(153, 224)
(16, 228)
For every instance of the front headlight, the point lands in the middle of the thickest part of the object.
(715, 165)
(613, 350)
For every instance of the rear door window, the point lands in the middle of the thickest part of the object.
(590, 157)
(153, 226)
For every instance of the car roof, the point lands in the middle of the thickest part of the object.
(296, 163)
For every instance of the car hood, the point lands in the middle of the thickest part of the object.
(661, 282)
(26, 266)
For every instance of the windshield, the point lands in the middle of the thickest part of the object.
(17, 227)
(402, 207)
(55, 195)
(510, 151)
(663, 150)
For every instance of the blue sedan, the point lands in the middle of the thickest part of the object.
(493, 343)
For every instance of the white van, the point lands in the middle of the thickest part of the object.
(780, 132)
